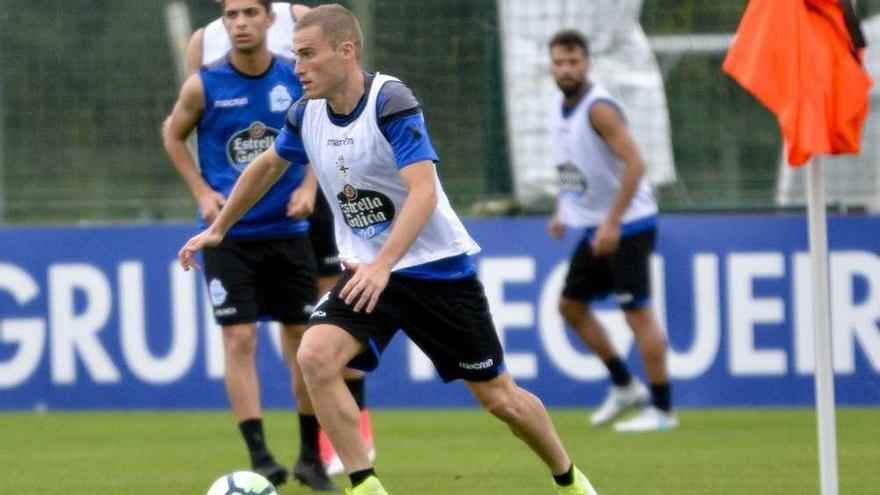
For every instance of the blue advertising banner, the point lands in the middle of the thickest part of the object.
(102, 317)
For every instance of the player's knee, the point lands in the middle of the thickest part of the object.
(239, 344)
(645, 326)
(316, 363)
(568, 308)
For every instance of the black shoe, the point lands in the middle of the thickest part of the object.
(271, 470)
(313, 475)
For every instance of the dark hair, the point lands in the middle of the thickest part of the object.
(571, 38)
(337, 24)
(267, 4)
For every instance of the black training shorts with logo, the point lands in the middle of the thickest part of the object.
(253, 278)
(448, 319)
(626, 272)
(323, 238)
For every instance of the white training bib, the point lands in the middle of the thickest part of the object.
(589, 173)
(358, 173)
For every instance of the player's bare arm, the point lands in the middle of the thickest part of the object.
(179, 125)
(253, 183)
(365, 287)
(609, 123)
(302, 199)
(194, 51)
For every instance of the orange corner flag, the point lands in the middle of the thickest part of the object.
(802, 59)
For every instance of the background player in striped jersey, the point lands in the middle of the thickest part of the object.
(606, 197)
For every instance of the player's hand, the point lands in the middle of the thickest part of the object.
(365, 286)
(186, 255)
(606, 240)
(555, 227)
(301, 203)
(210, 204)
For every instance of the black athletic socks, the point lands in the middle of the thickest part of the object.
(356, 387)
(308, 436)
(620, 375)
(566, 478)
(358, 477)
(660, 396)
(252, 431)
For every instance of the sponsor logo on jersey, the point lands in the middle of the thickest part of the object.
(247, 144)
(481, 365)
(279, 99)
(217, 291)
(335, 143)
(571, 179)
(232, 102)
(367, 213)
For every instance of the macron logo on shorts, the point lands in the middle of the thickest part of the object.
(482, 365)
(221, 312)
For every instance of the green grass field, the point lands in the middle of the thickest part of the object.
(454, 452)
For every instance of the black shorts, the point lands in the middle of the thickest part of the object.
(250, 279)
(626, 273)
(323, 238)
(448, 320)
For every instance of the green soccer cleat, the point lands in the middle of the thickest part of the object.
(370, 486)
(581, 485)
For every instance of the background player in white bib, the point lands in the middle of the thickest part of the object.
(265, 268)
(406, 251)
(206, 46)
(605, 196)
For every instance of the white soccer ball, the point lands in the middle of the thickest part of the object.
(242, 483)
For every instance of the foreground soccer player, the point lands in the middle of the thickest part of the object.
(366, 138)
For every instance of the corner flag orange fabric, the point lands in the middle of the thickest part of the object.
(799, 59)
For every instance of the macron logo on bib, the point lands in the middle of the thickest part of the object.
(232, 102)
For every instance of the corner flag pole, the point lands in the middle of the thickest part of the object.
(824, 372)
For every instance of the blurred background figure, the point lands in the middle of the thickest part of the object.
(622, 61)
(606, 198)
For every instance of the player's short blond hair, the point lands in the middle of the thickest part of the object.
(337, 24)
